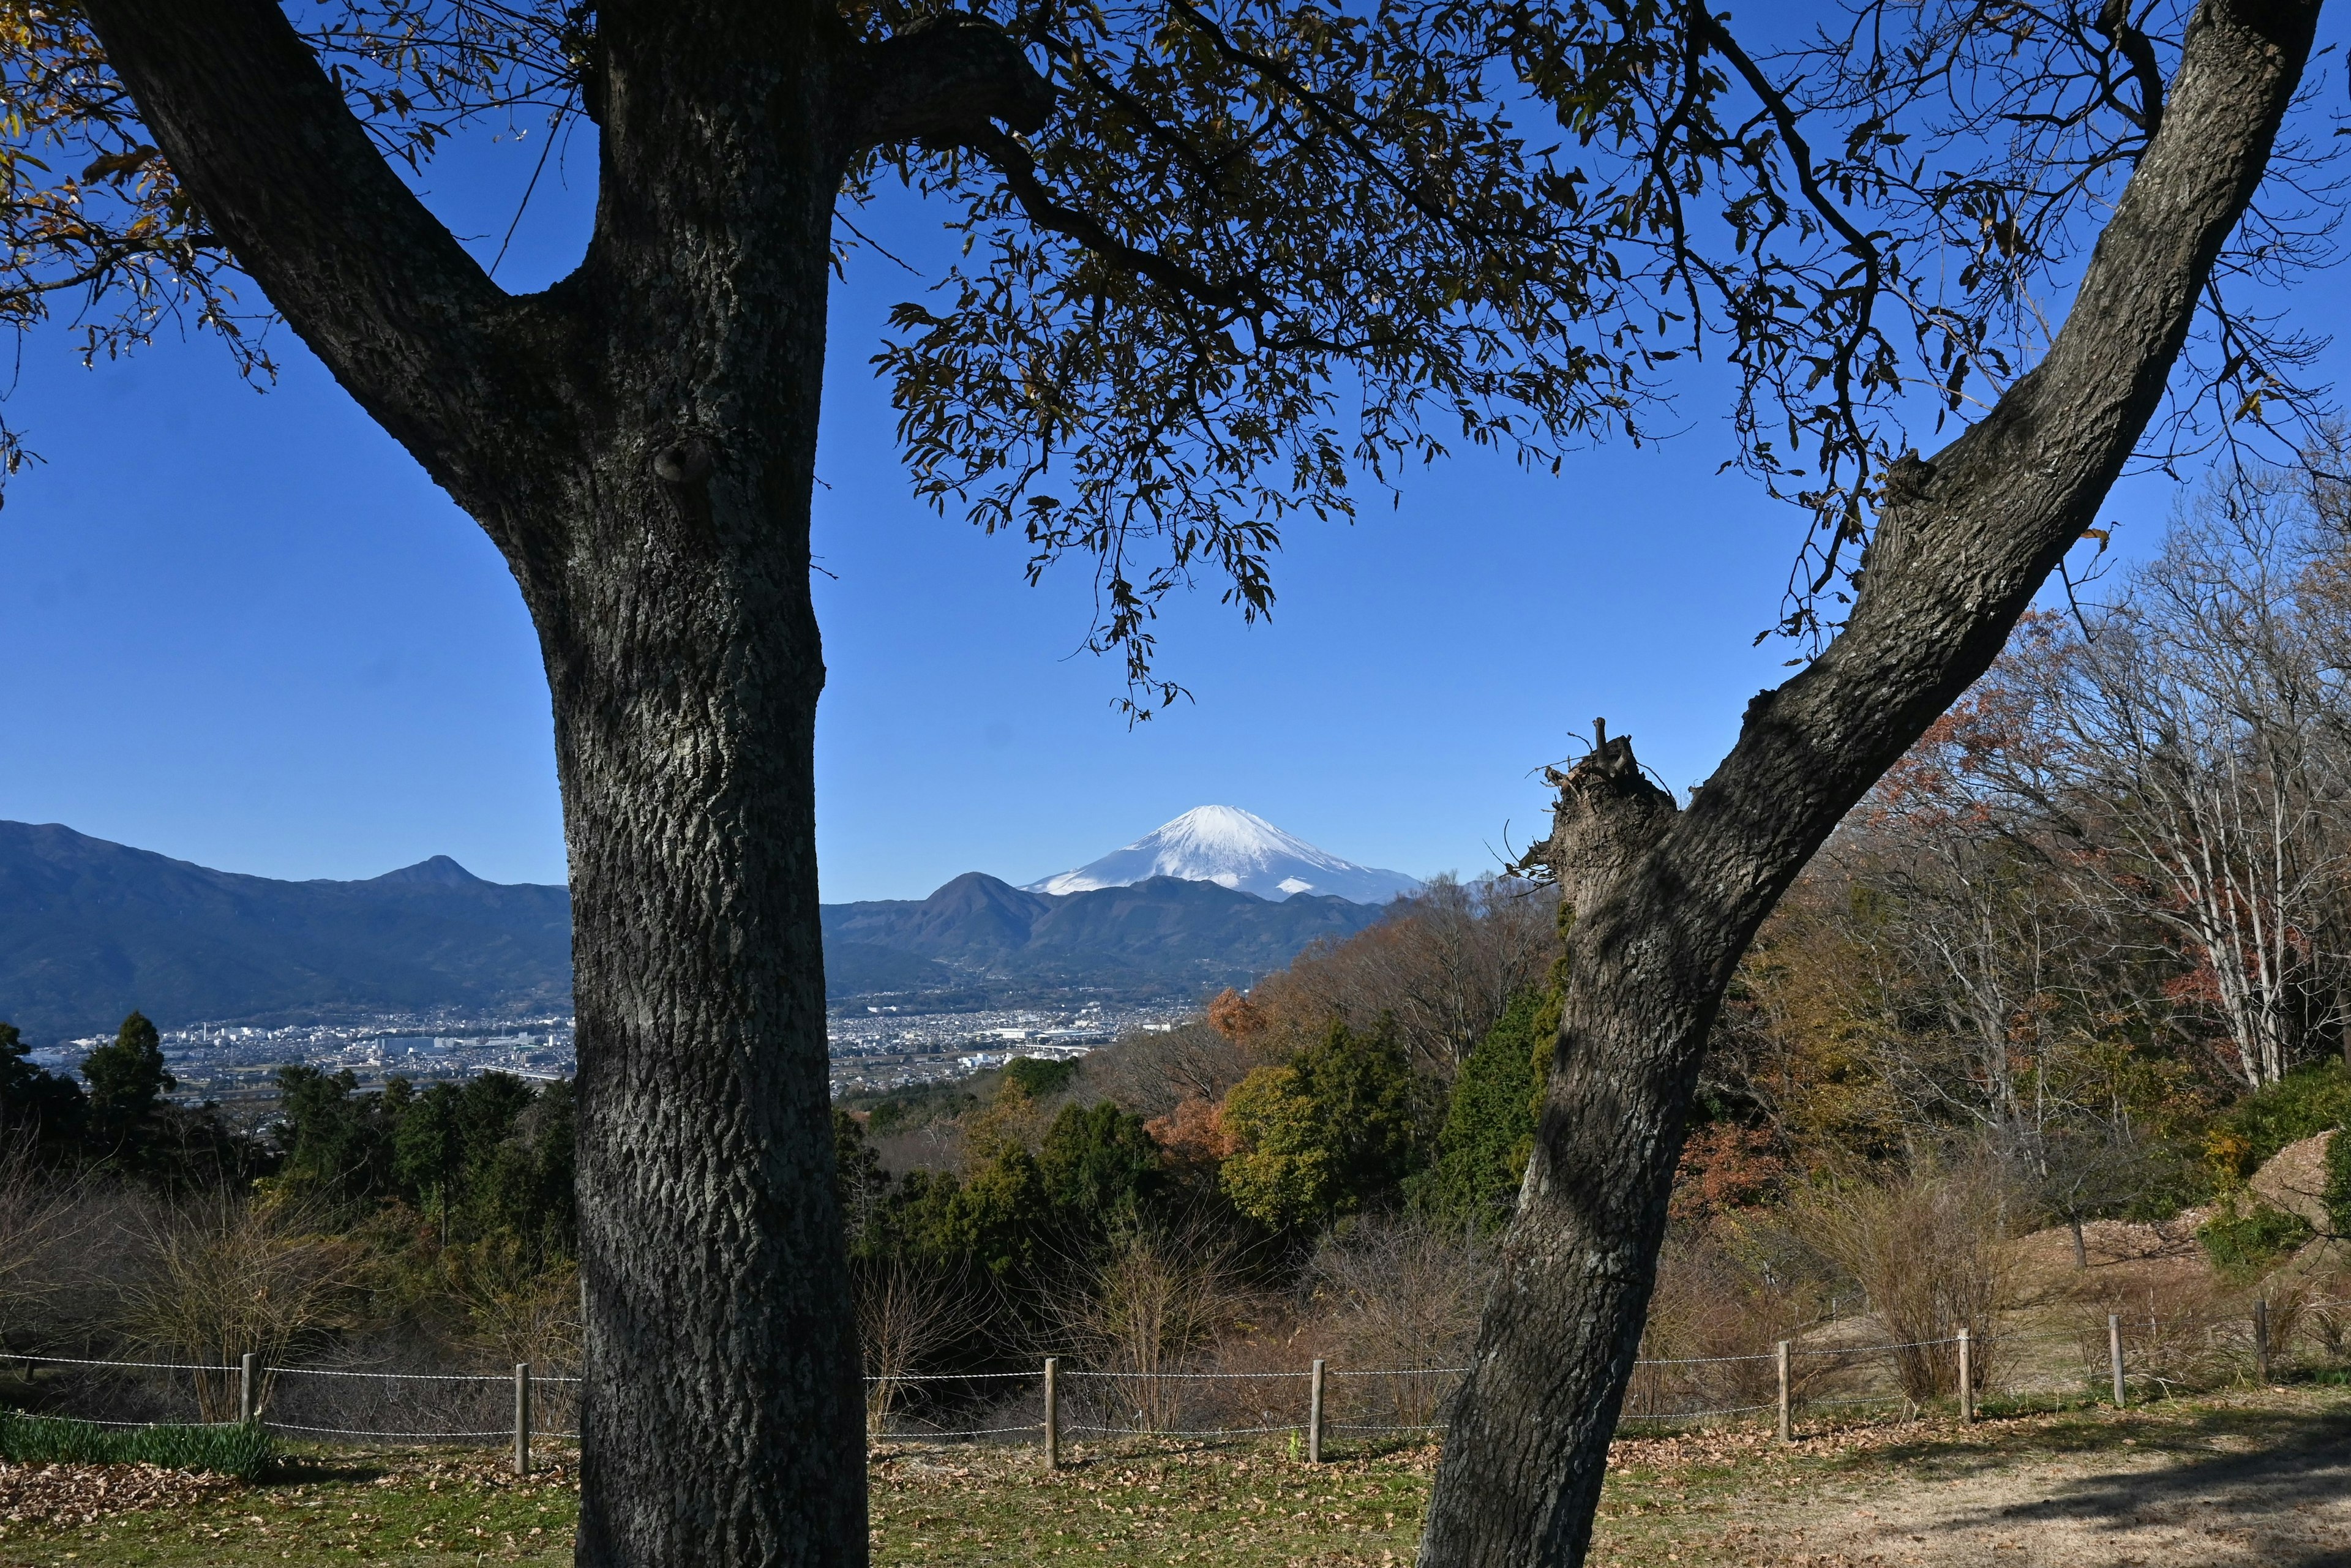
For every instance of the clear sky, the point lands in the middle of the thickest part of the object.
(245, 630)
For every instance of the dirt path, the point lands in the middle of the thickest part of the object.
(2223, 1482)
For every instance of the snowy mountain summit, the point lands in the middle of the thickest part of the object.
(1235, 849)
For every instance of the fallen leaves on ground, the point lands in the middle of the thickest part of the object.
(84, 1494)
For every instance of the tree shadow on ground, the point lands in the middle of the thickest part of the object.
(2254, 1474)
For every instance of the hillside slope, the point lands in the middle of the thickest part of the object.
(1161, 932)
(89, 930)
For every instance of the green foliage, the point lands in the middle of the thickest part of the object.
(996, 1219)
(913, 1106)
(428, 1142)
(2245, 1242)
(32, 1097)
(337, 1147)
(1327, 1134)
(1036, 1077)
(1095, 1176)
(1489, 1122)
(126, 1083)
(1101, 1170)
(859, 1184)
(494, 1157)
(240, 1451)
(2308, 1101)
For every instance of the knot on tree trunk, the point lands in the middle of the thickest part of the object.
(1607, 816)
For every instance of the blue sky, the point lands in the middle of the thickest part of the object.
(245, 630)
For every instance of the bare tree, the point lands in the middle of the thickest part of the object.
(906, 1313)
(41, 1216)
(516, 1308)
(1929, 1250)
(1399, 1295)
(1153, 1301)
(227, 1275)
(1443, 966)
(1153, 1071)
(2187, 765)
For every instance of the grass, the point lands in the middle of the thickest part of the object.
(241, 1451)
(405, 1510)
(1186, 1506)
(1687, 1499)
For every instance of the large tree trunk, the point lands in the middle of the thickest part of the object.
(1963, 543)
(724, 1418)
(640, 442)
(723, 1421)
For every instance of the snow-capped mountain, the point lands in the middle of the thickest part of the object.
(1235, 849)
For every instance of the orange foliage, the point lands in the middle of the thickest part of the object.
(1726, 1167)
(1194, 1133)
(1236, 1018)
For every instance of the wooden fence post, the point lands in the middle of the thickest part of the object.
(1787, 1424)
(248, 1388)
(2114, 1353)
(1314, 1417)
(522, 1418)
(1052, 1413)
(1967, 1379)
(2261, 1339)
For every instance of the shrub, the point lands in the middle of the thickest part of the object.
(237, 1450)
(1929, 1250)
(2243, 1243)
(2308, 1101)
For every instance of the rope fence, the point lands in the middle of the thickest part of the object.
(2126, 1360)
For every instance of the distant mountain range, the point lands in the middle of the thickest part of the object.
(89, 930)
(1237, 850)
(1162, 935)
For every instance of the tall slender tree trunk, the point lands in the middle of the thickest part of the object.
(1963, 542)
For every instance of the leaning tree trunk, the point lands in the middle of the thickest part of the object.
(1964, 541)
(640, 442)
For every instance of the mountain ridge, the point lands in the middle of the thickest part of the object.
(91, 929)
(1168, 932)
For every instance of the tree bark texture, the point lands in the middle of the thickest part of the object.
(1963, 543)
(640, 442)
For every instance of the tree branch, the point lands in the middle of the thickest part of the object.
(2114, 24)
(947, 83)
(1020, 171)
(286, 177)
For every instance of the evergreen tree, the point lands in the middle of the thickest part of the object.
(862, 1184)
(126, 1083)
(428, 1147)
(1330, 1132)
(1489, 1122)
(1100, 1167)
(338, 1143)
(31, 1097)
